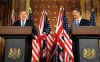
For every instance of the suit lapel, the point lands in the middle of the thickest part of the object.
(19, 23)
(80, 22)
(26, 23)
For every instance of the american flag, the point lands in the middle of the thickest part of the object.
(30, 15)
(41, 25)
(92, 21)
(34, 32)
(13, 17)
(35, 50)
(37, 43)
(49, 39)
(68, 48)
(42, 37)
(59, 30)
(63, 41)
(65, 24)
(50, 42)
(67, 40)
(47, 27)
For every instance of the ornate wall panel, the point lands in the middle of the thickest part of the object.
(52, 7)
(4, 11)
(87, 6)
(96, 5)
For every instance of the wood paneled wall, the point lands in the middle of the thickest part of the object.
(87, 5)
(52, 7)
(4, 11)
(96, 4)
(18, 5)
(2, 49)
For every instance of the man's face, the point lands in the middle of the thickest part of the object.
(23, 15)
(76, 14)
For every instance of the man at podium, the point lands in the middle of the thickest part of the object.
(24, 21)
(77, 18)
(77, 21)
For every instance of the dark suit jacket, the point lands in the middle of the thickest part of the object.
(28, 23)
(18, 23)
(83, 22)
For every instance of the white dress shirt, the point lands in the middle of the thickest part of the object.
(78, 21)
(22, 22)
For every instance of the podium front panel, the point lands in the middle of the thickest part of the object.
(15, 50)
(88, 49)
(18, 49)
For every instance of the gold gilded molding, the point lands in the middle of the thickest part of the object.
(82, 3)
(28, 6)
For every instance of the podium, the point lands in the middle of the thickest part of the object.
(86, 43)
(17, 43)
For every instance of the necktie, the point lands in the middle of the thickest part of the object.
(22, 23)
(77, 23)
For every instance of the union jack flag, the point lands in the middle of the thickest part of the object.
(59, 30)
(64, 43)
(37, 44)
(35, 50)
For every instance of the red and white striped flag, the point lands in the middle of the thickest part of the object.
(41, 25)
(59, 26)
(59, 30)
(36, 44)
(50, 42)
(35, 50)
(68, 48)
(42, 36)
(63, 40)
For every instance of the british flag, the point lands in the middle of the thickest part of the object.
(68, 48)
(35, 50)
(67, 41)
(37, 43)
(59, 30)
(49, 38)
(64, 43)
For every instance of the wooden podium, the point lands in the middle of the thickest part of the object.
(17, 43)
(86, 43)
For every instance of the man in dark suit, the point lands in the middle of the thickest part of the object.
(24, 21)
(78, 20)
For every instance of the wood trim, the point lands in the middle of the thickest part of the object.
(86, 30)
(15, 30)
